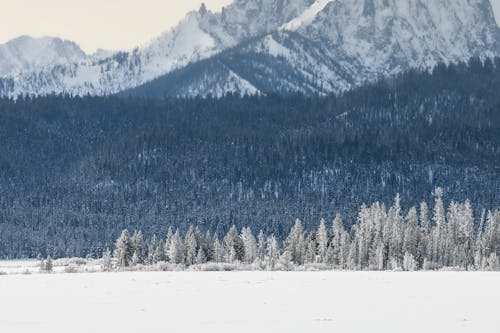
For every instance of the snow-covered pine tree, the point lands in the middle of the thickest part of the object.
(124, 250)
(49, 265)
(168, 241)
(272, 252)
(218, 255)
(285, 261)
(175, 249)
(191, 246)
(439, 232)
(139, 247)
(311, 250)
(493, 263)
(106, 265)
(261, 246)
(322, 240)
(249, 245)
(233, 246)
(295, 243)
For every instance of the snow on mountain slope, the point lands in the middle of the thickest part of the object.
(315, 46)
(200, 35)
(496, 9)
(333, 46)
(30, 54)
(307, 16)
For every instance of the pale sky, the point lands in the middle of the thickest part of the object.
(93, 24)
(107, 24)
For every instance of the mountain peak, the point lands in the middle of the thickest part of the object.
(203, 9)
(25, 53)
(313, 46)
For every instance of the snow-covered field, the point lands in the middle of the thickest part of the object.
(251, 302)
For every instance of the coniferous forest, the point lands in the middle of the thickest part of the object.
(76, 171)
(382, 239)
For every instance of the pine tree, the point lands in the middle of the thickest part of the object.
(42, 265)
(439, 232)
(218, 249)
(493, 263)
(272, 252)
(295, 243)
(310, 256)
(175, 249)
(409, 263)
(168, 242)
(249, 245)
(261, 246)
(322, 239)
(233, 247)
(48, 265)
(338, 244)
(106, 261)
(285, 261)
(191, 246)
(201, 257)
(124, 250)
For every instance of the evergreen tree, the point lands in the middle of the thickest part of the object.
(49, 265)
(261, 246)
(249, 245)
(272, 252)
(191, 246)
(175, 249)
(218, 249)
(124, 250)
(106, 261)
(322, 239)
(295, 243)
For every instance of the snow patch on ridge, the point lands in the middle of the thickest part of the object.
(237, 83)
(496, 10)
(307, 16)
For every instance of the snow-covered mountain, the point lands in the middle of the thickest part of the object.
(26, 54)
(314, 46)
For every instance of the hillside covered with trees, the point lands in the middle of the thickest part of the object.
(76, 171)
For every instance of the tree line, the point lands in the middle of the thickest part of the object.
(384, 238)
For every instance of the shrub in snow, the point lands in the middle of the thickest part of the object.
(71, 269)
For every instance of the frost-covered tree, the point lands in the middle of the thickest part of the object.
(409, 263)
(249, 245)
(201, 257)
(322, 240)
(168, 241)
(439, 232)
(49, 266)
(139, 247)
(218, 249)
(124, 250)
(381, 239)
(295, 243)
(272, 252)
(311, 250)
(261, 246)
(175, 249)
(106, 265)
(233, 246)
(191, 246)
(285, 261)
(493, 263)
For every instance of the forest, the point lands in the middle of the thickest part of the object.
(76, 171)
(382, 239)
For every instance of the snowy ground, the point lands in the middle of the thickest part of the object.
(250, 302)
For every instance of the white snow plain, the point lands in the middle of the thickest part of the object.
(251, 302)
